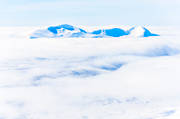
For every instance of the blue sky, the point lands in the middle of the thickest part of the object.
(89, 12)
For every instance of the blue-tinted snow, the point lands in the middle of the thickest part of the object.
(115, 32)
(54, 29)
(97, 32)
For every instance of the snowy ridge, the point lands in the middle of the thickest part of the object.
(69, 31)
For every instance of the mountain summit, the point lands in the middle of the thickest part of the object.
(140, 32)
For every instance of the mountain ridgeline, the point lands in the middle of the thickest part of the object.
(69, 31)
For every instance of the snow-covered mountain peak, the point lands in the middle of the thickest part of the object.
(140, 31)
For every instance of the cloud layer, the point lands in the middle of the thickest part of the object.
(105, 78)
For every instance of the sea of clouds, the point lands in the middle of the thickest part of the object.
(87, 78)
